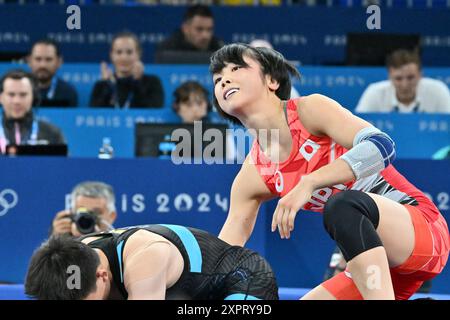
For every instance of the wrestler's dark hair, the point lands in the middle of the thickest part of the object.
(51, 270)
(272, 63)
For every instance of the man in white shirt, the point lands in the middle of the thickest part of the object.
(406, 91)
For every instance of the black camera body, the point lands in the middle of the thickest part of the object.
(85, 220)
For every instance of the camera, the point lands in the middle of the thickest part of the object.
(85, 220)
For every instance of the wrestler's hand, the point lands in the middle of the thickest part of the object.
(289, 205)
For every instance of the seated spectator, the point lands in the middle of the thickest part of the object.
(406, 91)
(95, 197)
(191, 102)
(44, 60)
(266, 44)
(18, 91)
(127, 86)
(195, 35)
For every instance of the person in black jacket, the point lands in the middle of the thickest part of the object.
(44, 61)
(127, 86)
(18, 91)
(196, 33)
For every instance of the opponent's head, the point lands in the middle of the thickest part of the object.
(243, 74)
(64, 268)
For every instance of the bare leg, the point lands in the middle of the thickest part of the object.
(370, 269)
(370, 273)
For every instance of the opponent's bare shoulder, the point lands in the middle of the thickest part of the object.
(149, 266)
(142, 239)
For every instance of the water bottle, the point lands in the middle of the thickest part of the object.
(165, 148)
(106, 151)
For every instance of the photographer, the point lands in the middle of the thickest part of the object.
(92, 209)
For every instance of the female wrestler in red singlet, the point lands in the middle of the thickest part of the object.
(316, 155)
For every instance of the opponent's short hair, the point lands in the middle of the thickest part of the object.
(53, 263)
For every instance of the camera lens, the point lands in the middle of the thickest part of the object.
(85, 222)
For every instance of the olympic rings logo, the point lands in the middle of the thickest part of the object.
(8, 200)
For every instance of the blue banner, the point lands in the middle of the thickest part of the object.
(311, 35)
(417, 136)
(33, 190)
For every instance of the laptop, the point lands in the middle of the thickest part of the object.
(37, 150)
(160, 140)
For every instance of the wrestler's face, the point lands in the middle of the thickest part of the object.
(236, 86)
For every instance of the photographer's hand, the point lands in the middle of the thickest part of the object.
(62, 223)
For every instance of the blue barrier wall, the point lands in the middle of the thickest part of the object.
(156, 191)
(312, 35)
(147, 191)
(416, 135)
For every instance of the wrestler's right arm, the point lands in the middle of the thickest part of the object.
(247, 193)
